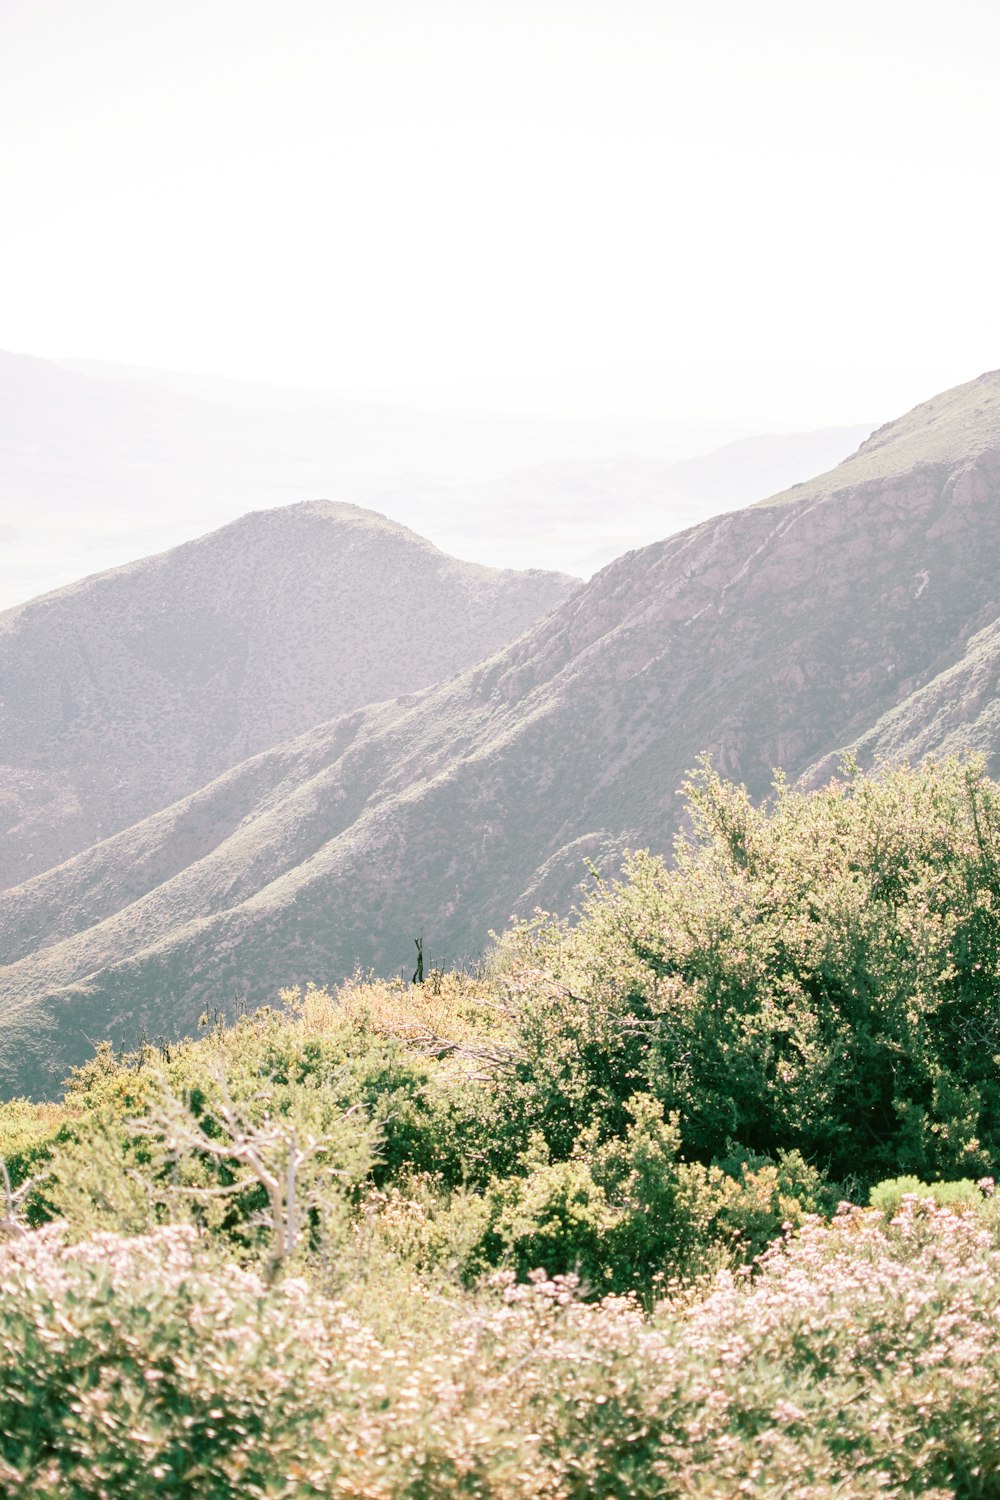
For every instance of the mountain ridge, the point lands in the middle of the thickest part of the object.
(953, 427)
(137, 685)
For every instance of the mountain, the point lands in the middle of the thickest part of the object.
(135, 687)
(853, 605)
(956, 713)
(101, 464)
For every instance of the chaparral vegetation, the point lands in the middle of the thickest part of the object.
(689, 1195)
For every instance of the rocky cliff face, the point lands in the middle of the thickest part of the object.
(855, 610)
(134, 688)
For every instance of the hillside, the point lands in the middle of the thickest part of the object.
(956, 713)
(773, 636)
(135, 687)
(692, 1198)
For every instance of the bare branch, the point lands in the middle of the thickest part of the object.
(271, 1153)
(12, 1222)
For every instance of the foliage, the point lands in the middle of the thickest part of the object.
(131, 1368)
(566, 1228)
(820, 975)
(888, 1196)
(862, 1359)
(627, 1215)
(27, 1131)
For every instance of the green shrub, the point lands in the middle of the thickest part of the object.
(819, 975)
(554, 1217)
(888, 1196)
(747, 1200)
(365, 1094)
(27, 1131)
(627, 1215)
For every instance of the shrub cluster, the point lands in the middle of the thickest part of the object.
(820, 974)
(860, 1360)
(565, 1228)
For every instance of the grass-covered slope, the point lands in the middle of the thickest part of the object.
(138, 686)
(593, 1222)
(774, 636)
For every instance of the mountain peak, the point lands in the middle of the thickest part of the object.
(132, 688)
(290, 519)
(957, 423)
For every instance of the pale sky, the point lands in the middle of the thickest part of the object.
(779, 212)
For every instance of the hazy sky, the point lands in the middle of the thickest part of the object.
(781, 211)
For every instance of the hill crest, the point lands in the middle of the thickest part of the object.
(136, 686)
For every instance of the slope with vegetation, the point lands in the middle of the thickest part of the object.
(858, 610)
(132, 689)
(579, 1225)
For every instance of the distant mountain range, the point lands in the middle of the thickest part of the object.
(860, 609)
(101, 464)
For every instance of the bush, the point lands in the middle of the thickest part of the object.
(132, 1369)
(861, 1360)
(888, 1196)
(819, 975)
(110, 1166)
(554, 1217)
(629, 1216)
(27, 1132)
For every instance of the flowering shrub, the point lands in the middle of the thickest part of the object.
(130, 1368)
(861, 1360)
